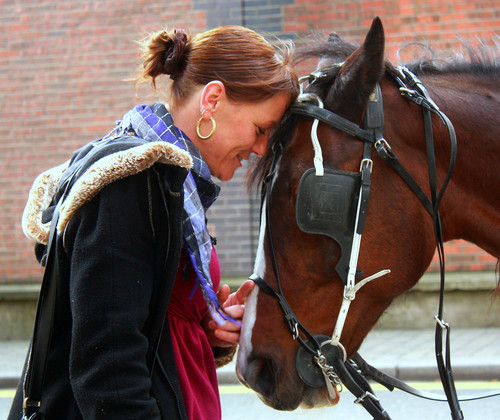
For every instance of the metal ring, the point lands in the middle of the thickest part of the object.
(307, 97)
(209, 134)
(340, 346)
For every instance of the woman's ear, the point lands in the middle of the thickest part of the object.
(211, 95)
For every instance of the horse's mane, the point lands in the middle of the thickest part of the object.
(478, 61)
(482, 60)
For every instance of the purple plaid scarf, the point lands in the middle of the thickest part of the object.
(154, 123)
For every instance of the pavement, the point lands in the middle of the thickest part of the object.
(405, 354)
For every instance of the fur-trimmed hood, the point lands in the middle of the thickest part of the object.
(125, 158)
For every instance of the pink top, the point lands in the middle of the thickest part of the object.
(193, 353)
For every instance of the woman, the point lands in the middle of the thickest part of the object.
(138, 328)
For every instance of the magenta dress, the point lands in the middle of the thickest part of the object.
(193, 353)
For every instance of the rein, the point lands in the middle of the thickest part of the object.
(328, 354)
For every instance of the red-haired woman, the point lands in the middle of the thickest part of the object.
(138, 329)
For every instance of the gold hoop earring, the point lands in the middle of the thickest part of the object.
(209, 134)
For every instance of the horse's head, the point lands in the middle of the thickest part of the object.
(306, 261)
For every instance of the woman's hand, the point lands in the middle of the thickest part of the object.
(228, 334)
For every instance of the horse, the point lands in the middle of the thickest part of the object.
(301, 267)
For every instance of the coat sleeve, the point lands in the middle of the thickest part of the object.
(111, 249)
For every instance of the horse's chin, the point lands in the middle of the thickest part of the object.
(318, 397)
(311, 398)
(286, 402)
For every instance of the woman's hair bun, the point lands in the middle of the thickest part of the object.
(174, 58)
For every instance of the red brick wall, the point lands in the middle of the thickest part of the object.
(63, 65)
(464, 256)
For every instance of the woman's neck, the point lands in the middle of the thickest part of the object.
(186, 115)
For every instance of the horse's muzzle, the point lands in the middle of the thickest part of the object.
(278, 387)
(264, 377)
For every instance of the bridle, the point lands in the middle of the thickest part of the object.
(322, 359)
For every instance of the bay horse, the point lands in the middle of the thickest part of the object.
(305, 261)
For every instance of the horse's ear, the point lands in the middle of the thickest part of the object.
(359, 74)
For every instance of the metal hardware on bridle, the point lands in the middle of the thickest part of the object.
(321, 359)
(317, 369)
(332, 380)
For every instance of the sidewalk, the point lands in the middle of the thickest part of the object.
(409, 355)
(405, 354)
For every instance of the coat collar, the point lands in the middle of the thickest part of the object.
(103, 171)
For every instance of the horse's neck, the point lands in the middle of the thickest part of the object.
(471, 205)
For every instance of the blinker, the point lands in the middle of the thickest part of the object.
(326, 205)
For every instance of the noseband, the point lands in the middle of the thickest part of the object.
(322, 359)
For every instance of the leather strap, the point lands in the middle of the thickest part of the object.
(44, 322)
(335, 120)
(392, 160)
(360, 388)
(391, 383)
(419, 95)
(294, 325)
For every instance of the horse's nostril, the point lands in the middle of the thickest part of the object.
(262, 376)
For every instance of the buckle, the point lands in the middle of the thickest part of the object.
(295, 332)
(442, 324)
(362, 398)
(382, 143)
(366, 163)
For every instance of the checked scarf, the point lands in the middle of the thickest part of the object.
(154, 123)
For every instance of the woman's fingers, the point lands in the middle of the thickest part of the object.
(235, 312)
(240, 296)
(227, 338)
(223, 293)
(228, 334)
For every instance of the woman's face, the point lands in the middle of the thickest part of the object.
(242, 129)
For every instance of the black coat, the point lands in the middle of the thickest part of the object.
(118, 253)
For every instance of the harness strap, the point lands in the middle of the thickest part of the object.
(335, 120)
(360, 388)
(385, 153)
(44, 322)
(294, 325)
(419, 95)
(391, 383)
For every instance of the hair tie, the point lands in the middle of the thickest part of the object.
(174, 62)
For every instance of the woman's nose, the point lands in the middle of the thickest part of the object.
(260, 146)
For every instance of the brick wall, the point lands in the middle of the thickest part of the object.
(63, 65)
